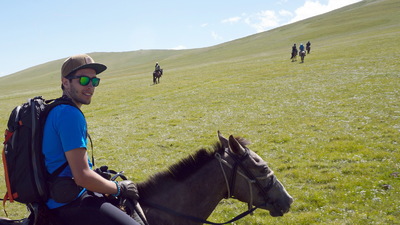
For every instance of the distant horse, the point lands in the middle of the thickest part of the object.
(189, 191)
(308, 48)
(302, 55)
(157, 75)
(294, 56)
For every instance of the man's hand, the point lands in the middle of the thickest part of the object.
(128, 190)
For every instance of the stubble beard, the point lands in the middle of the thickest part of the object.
(74, 94)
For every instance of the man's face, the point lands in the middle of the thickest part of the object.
(78, 93)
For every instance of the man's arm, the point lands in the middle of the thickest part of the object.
(84, 176)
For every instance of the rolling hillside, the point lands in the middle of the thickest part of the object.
(329, 127)
(362, 25)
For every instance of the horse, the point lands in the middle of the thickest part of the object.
(308, 48)
(189, 190)
(157, 75)
(302, 55)
(196, 185)
(294, 56)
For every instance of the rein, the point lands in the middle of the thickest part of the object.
(246, 174)
(193, 218)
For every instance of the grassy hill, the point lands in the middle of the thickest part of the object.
(329, 127)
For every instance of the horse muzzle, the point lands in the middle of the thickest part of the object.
(276, 209)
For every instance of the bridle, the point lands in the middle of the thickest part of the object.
(246, 174)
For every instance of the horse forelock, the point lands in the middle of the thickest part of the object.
(242, 141)
(185, 167)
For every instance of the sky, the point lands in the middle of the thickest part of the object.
(36, 32)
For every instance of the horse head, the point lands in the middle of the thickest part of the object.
(251, 180)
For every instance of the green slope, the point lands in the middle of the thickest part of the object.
(354, 25)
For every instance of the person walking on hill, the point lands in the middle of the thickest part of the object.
(77, 194)
(294, 53)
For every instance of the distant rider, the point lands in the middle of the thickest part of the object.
(301, 48)
(157, 67)
(308, 47)
(294, 53)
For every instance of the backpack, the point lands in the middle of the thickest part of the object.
(24, 167)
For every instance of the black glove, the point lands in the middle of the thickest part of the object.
(128, 189)
(103, 171)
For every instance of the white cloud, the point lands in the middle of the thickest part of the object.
(204, 25)
(232, 20)
(263, 20)
(312, 8)
(340, 3)
(268, 19)
(180, 47)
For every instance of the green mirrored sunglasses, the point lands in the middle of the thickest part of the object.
(85, 80)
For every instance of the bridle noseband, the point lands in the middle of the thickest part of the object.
(246, 174)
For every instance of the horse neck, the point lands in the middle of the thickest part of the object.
(197, 196)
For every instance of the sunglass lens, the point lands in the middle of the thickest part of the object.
(95, 81)
(84, 81)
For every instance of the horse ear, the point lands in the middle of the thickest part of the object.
(235, 146)
(223, 140)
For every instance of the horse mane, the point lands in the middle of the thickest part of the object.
(185, 167)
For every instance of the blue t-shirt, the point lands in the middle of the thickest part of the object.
(65, 129)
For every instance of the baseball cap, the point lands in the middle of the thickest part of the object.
(78, 62)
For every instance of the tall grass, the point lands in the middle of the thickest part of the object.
(328, 127)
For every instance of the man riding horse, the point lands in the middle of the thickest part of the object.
(157, 73)
(294, 53)
(302, 52)
(308, 47)
(157, 67)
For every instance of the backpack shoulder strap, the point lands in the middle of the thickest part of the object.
(64, 100)
(58, 170)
